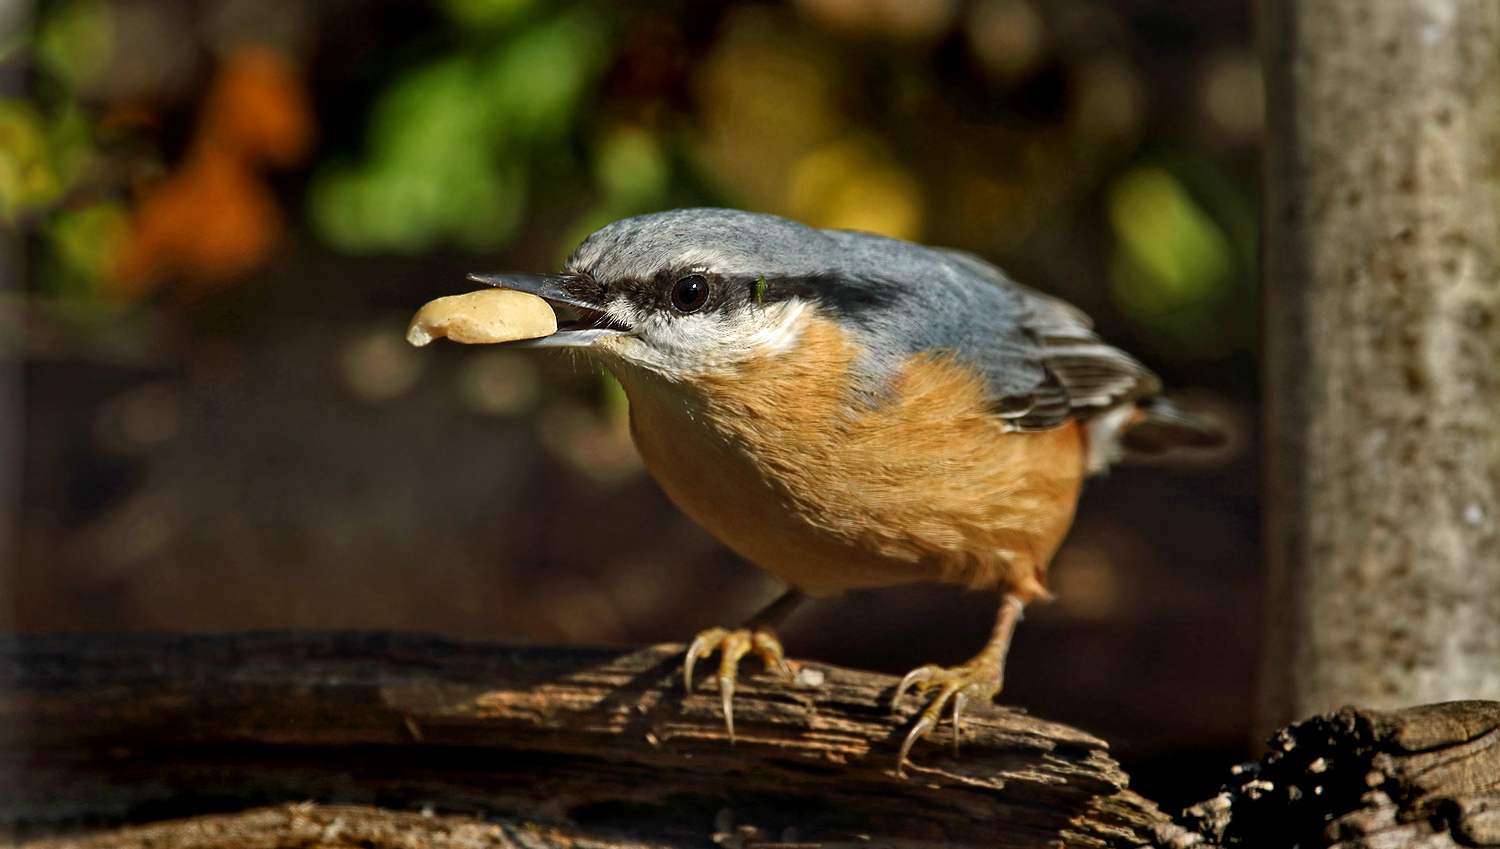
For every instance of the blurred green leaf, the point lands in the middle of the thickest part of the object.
(485, 14)
(1174, 268)
(467, 200)
(488, 209)
(433, 173)
(631, 168)
(450, 144)
(41, 157)
(85, 243)
(1179, 255)
(77, 39)
(430, 113)
(531, 85)
(71, 141)
(633, 175)
(28, 176)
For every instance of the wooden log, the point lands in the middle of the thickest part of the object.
(599, 742)
(307, 824)
(1425, 777)
(411, 741)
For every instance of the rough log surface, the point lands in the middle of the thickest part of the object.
(1425, 777)
(407, 741)
(305, 825)
(598, 742)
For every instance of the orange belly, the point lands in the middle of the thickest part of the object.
(829, 493)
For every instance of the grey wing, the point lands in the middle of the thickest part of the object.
(1072, 373)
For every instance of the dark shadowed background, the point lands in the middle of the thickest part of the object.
(222, 214)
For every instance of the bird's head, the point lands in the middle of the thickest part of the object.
(690, 291)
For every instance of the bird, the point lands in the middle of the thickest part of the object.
(849, 411)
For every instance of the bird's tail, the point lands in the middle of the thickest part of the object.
(1158, 426)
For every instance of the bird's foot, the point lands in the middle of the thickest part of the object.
(977, 680)
(731, 646)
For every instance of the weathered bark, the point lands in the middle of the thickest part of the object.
(409, 741)
(306, 825)
(1425, 777)
(1382, 270)
(138, 727)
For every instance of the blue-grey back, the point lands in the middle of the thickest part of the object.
(1039, 356)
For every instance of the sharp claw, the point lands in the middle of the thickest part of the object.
(731, 650)
(917, 677)
(929, 718)
(954, 693)
(960, 701)
(703, 646)
(732, 647)
(687, 669)
(693, 653)
(906, 684)
(726, 694)
(918, 731)
(979, 678)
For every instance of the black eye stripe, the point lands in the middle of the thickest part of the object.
(690, 293)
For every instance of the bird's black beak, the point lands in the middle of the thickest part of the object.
(581, 323)
(549, 287)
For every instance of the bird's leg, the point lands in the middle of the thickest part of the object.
(977, 680)
(757, 636)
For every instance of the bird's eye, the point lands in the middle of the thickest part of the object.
(690, 293)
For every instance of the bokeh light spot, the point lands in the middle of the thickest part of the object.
(631, 168)
(597, 446)
(766, 100)
(140, 419)
(379, 366)
(1109, 101)
(1234, 95)
(1086, 582)
(1171, 253)
(1007, 36)
(499, 383)
(908, 20)
(849, 185)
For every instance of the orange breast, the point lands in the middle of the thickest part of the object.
(778, 460)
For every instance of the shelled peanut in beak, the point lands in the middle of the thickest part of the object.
(486, 317)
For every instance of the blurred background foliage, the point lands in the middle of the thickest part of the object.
(967, 123)
(225, 210)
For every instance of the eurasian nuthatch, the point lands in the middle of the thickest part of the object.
(847, 411)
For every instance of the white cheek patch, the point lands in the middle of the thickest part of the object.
(779, 328)
(685, 345)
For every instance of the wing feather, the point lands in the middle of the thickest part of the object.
(1083, 374)
(1039, 355)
